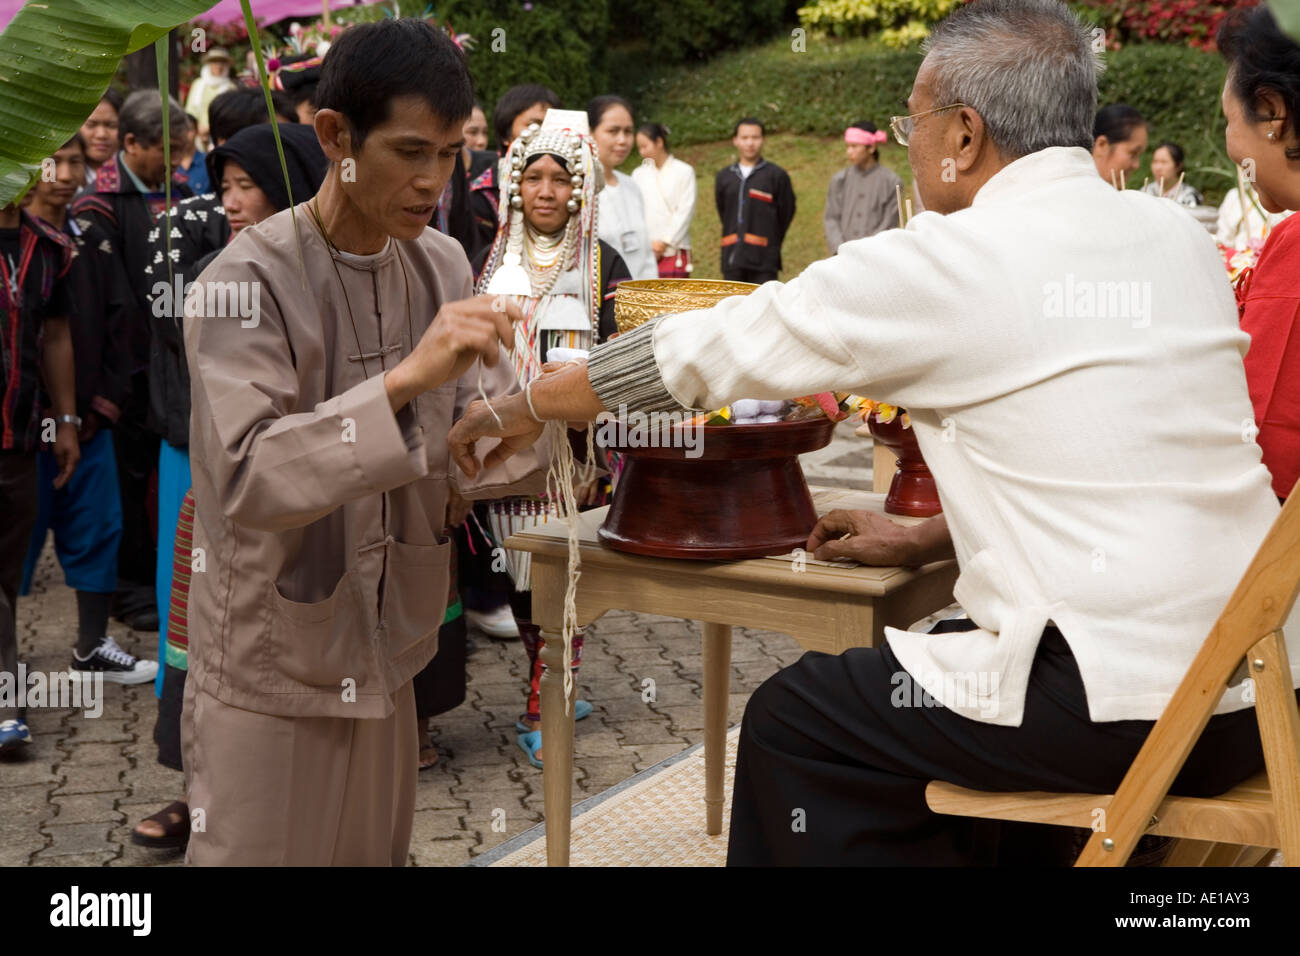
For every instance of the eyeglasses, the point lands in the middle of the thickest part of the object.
(903, 125)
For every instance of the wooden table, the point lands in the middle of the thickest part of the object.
(824, 606)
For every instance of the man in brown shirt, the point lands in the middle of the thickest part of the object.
(330, 348)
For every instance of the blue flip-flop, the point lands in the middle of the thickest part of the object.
(581, 709)
(530, 743)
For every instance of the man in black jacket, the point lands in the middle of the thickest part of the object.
(128, 193)
(755, 203)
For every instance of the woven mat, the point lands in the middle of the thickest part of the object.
(655, 819)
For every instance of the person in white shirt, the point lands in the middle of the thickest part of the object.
(1167, 170)
(1071, 360)
(1242, 219)
(668, 188)
(620, 215)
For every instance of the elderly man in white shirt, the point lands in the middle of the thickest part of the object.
(1071, 361)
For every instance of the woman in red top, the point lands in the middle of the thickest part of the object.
(1261, 100)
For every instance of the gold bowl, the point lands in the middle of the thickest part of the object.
(640, 300)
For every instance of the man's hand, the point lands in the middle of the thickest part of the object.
(458, 509)
(549, 367)
(517, 430)
(659, 248)
(588, 493)
(89, 426)
(67, 452)
(871, 539)
(460, 333)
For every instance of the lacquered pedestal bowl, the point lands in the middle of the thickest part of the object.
(743, 497)
(912, 492)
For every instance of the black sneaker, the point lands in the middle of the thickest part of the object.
(117, 666)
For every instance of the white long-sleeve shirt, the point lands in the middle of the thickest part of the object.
(669, 195)
(1072, 363)
(620, 221)
(1237, 227)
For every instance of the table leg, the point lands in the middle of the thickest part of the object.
(717, 694)
(557, 751)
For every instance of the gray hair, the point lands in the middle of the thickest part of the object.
(141, 114)
(1026, 66)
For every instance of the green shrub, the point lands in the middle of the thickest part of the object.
(910, 34)
(819, 91)
(1177, 89)
(558, 42)
(837, 82)
(695, 29)
(845, 18)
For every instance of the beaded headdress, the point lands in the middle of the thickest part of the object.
(563, 133)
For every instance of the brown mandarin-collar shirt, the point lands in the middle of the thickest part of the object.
(320, 512)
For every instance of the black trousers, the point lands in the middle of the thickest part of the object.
(481, 588)
(167, 728)
(18, 493)
(136, 447)
(830, 772)
(440, 687)
(757, 276)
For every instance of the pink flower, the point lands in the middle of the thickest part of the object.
(273, 64)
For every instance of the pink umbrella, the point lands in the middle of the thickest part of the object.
(228, 11)
(270, 11)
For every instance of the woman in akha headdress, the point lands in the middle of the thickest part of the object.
(547, 256)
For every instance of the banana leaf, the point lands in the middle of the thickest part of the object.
(56, 59)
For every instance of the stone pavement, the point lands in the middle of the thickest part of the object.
(74, 795)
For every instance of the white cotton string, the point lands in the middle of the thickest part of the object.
(589, 469)
(482, 393)
(560, 490)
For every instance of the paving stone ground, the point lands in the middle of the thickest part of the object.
(75, 793)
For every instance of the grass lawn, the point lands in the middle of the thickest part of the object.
(810, 161)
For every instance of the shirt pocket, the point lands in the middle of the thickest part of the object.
(323, 643)
(415, 594)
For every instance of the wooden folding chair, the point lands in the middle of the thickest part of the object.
(1241, 827)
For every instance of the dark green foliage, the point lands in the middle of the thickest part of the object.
(559, 43)
(685, 30)
(1177, 89)
(834, 83)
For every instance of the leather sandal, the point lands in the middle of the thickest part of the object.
(176, 833)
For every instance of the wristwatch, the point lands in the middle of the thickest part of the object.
(73, 420)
